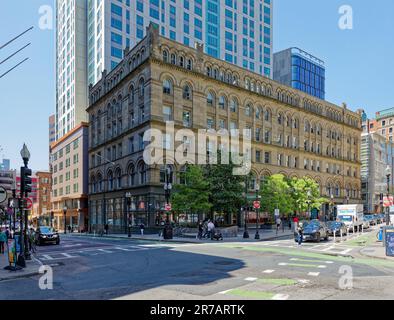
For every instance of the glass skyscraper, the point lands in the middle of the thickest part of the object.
(300, 70)
(237, 31)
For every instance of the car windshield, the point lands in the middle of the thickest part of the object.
(334, 224)
(346, 218)
(46, 230)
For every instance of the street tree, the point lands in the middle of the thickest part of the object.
(225, 188)
(192, 196)
(306, 194)
(275, 194)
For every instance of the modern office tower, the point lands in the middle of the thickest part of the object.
(300, 70)
(5, 165)
(237, 31)
(71, 78)
(52, 129)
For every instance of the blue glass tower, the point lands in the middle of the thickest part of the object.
(300, 70)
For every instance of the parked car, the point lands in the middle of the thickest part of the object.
(47, 235)
(337, 226)
(371, 218)
(314, 230)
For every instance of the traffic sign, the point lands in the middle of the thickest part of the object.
(29, 203)
(168, 207)
(256, 204)
(3, 194)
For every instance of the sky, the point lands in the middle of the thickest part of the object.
(359, 63)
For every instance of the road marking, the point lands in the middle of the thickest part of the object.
(321, 267)
(301, 265)
(224, 292)
(250, 279)
(69, 256)
(346, 251)
(303, 281)
(329, 262)
(72, 245)
(47, 257)
(105, 251)
(314, 274)
(269, 271)
(123, 249)
(280, 297)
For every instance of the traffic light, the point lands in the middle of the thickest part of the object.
(26, 180)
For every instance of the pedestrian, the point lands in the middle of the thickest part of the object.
(3, 239)
(200, 230)
(106, 227)
(211, 229)
(300, 231)
(295, 220)
(69, 229)
(278, 223)
(289, 223)
(142, 227)
(7, 233)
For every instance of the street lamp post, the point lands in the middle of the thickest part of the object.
(257, 236)
(129, 219)
(167, 190)
(388, 175)
(246, 233)
(25, 185)
(308, 201)
(65, 219)
(332, 207)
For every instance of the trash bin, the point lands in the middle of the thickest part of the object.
(167, 232)
(380, 234)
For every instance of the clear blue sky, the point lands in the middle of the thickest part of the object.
(359, 63)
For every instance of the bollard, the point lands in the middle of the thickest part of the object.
(335, 231)
(347, 234)
(340, 231)
(362, 228)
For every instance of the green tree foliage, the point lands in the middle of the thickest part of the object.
(276, 193)
(304, 191)
(193, 196)
(225, 188)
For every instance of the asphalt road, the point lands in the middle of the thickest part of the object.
(91, 268)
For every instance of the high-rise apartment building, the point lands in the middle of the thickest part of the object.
(71, 77)
(52, 129)
(237, 31)
(300, 70)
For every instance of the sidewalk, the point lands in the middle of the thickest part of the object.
(31, 269)
(374, 248)
(265, 235)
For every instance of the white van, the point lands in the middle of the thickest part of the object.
(351, 215)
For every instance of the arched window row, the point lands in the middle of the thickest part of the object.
(178, 59)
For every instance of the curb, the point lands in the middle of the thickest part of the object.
(19, 276)
(375, 257)
(176, 241)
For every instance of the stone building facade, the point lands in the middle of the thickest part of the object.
(161, 80)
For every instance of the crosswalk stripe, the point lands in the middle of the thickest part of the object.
(105, 251)
(314, 274)
(280, 296)
(68, 255)
(224, 292)
(47, 257)
(268, 271)
(250, 279)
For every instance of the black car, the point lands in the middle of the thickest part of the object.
(47, 235)
(337, 226)
(314, 230)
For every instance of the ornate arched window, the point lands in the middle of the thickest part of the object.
(248, 110)
(210, 99)
(233, 105)
(131, 175)
(118, 179)
(110, 181)
(141, 87)
(187, 92)
(167, 86)
(165, 56)
(222, 102)
(173, 58)
(142, 172)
